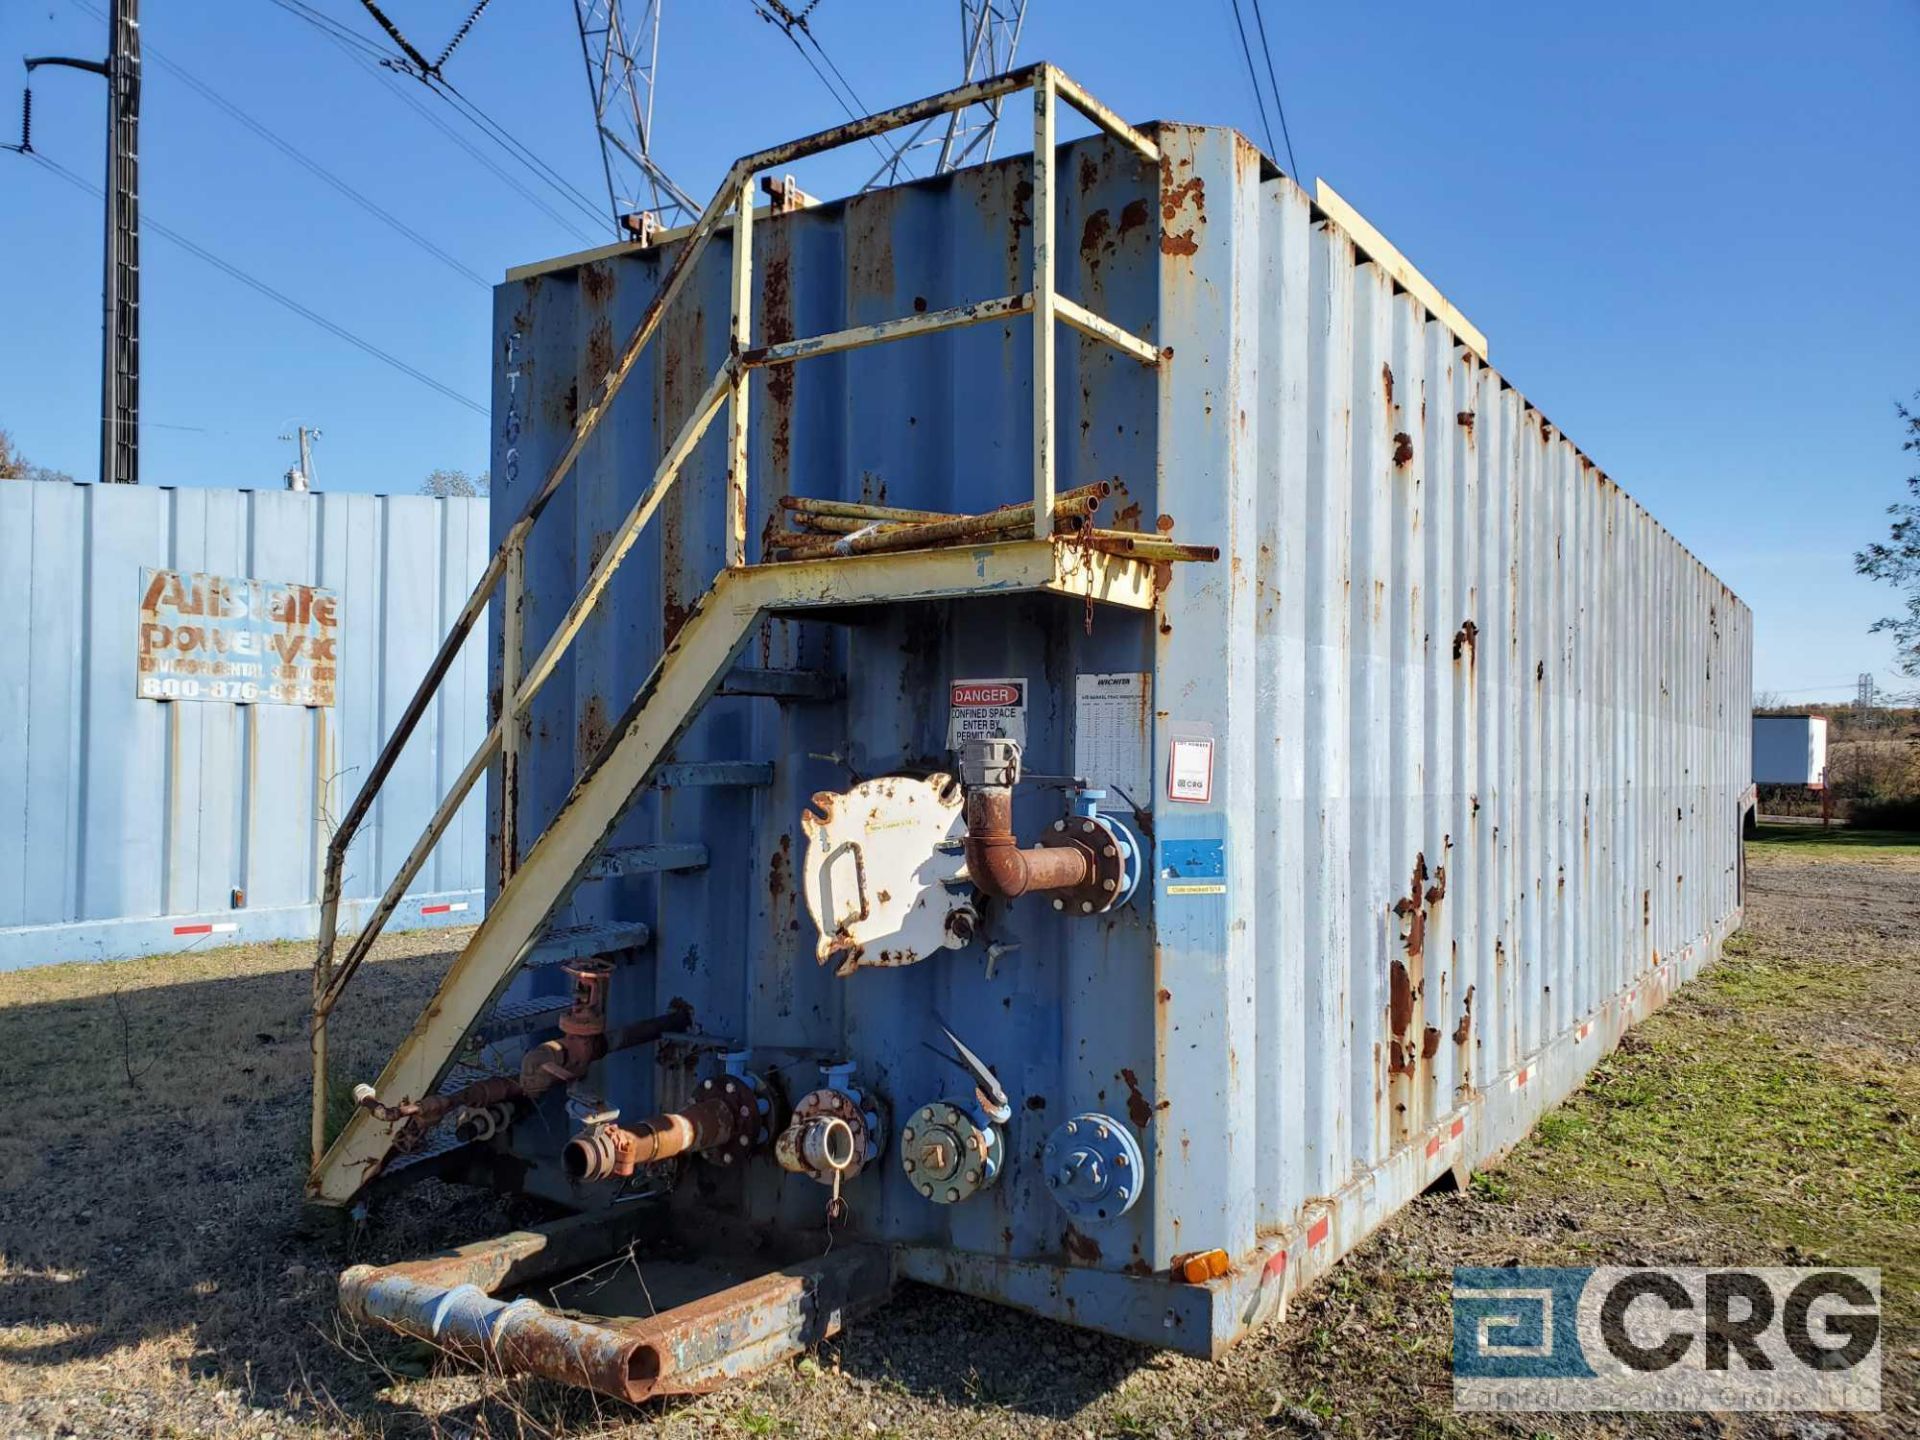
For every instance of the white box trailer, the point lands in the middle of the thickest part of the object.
(1790, 750)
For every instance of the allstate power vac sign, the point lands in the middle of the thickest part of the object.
(244, 642)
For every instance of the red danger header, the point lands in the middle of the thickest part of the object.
(969, 695)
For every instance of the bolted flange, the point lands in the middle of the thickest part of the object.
(752, 1104)
(1094, 1167)
(950, 1155)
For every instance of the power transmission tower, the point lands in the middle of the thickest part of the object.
(621, 45)
(120, 299)
(989, 34)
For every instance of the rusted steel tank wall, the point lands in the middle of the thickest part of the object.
(1479, 723)
(126, 824)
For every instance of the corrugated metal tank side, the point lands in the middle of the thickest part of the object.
(122, 815)
(1487, 720)
(1480, 723)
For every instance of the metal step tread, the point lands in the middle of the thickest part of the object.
(645, 860)
(781, 684)
(685, 774)
(578, 942)
(517, 1017)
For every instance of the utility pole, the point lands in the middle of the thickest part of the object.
(301, 476)
(120, 297)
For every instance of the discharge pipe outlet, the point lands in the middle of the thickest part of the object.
(989, 769)
(612, 1151)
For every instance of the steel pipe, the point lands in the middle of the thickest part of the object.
(997, 865)
(610, 1152)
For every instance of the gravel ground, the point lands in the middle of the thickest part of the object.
(154, 1282)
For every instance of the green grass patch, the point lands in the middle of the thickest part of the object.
(1811, 840)
(1727, 1101)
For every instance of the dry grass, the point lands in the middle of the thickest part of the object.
(153, 1280)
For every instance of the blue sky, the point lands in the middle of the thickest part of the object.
(1688, 230)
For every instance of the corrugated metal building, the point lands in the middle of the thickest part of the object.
(133, 825)
(1474, 725)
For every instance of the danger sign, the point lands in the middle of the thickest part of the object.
(992, 709)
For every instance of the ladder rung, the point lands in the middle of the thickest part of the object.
(577, 942)
(782, 684)
(713, 772)
(644, 860)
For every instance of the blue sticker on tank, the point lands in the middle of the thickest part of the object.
(1193, 867)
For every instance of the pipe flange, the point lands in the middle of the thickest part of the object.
(752, 1105)
(1094, 1167)
(948, 1155)
(1107, 855)
(861, 1117)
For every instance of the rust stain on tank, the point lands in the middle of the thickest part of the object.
(1429, 1043)
(1402, 450)
(1138, 1110)
(1465, 1027)
(1095, 238)
(593, 727)
(596, 283)
(1386, 383)
(599, 350)
(1081, 1249)
(777, 324)
(1465, 421)
(1133, 216)
(1189, 195)
(1400, 1017)
(1464, 639)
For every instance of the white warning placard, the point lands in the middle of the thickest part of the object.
(992, 709)
(1190, 770)
(1112, 717)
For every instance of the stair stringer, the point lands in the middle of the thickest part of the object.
(687, 674)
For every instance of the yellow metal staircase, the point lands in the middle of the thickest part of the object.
(697, 660)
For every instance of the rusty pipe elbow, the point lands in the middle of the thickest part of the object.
(997, 865)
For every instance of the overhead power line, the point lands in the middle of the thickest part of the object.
(1260, 20)
(277, 296)
(793, 25)
(306, 162)
(1253, 75)
(392, 67)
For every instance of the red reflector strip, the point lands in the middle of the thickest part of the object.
(1276, 1265)
(1584, 1030)
(226, 929)
(1319, 1231)
(1459, 1129)
(442, 909)
(1521, 1078)
(1433, 1147)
